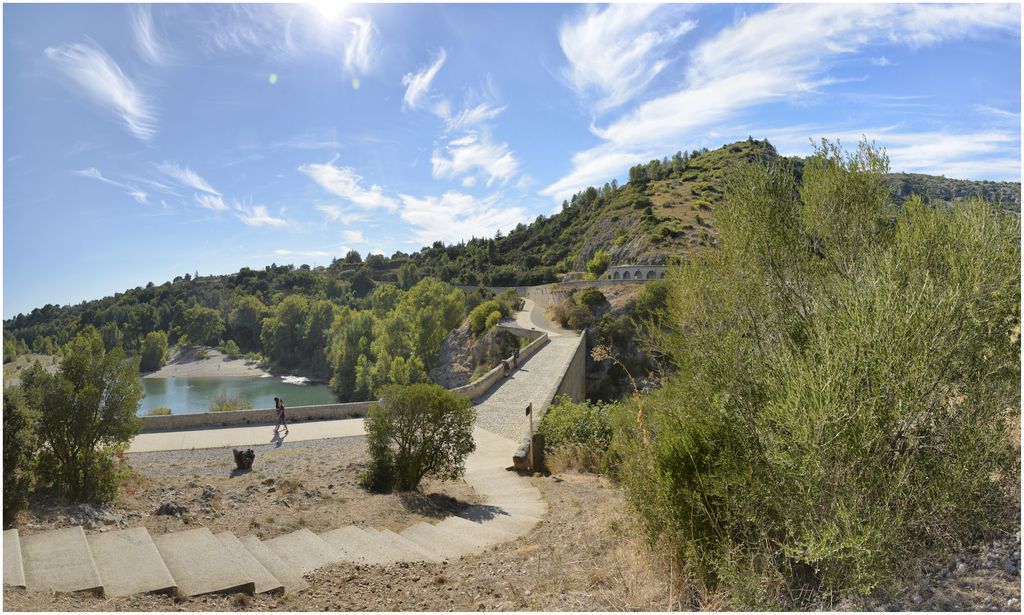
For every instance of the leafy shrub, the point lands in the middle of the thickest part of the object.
(592, 298)
(492, 319)
(576, 422)
(231, 349)
(845, 375)
(227, 402)
(416, 431)
(598, 264)
(21, 446)
(86, 416)
(572, 315)
(480, 317)
(161, 411)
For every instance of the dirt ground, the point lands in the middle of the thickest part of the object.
(587, 554)
(584, 555)
(310, 484)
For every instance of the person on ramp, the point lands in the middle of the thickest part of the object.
(279, 408)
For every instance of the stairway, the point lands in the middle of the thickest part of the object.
(196, 562)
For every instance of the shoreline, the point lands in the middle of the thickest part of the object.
(217, 365)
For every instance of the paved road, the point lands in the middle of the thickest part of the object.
(532, 317)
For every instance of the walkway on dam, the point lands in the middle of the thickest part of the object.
(500, 411)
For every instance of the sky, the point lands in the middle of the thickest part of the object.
(143, 142)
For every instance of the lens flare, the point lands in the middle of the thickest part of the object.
(272, 79)
(355, 84)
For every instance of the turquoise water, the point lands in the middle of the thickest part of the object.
(191, 395)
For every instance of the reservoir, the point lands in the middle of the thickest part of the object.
(192, 395)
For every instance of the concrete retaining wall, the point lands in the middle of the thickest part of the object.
(320, 412)
(325, 412)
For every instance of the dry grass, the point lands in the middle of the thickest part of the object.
(574, 458)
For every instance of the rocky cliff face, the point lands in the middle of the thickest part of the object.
(462, 354)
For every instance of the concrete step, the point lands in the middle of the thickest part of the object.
(303, 550)
(129, 563)
(482, 535)
(413, 552)
(437, 541)
(529, 508)
(390, 550)
(489, 480)
(263, 580)
(14, 571)
(60, 560)
(354, 544)
(386, 549)
(200, 564)
(288, 576)
(515, 524)
(514, 495)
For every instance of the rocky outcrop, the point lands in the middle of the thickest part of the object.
(462, 353)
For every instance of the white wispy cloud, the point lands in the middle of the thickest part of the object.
(989, 154)
(475, 152)
(616, 51)
(256, 215)
(211, 201)
(781, 53)
(133, 191)
(417, 85)
(999, 114)
(146, 41)
(353, 236)
(454, 216)
(186, 177)
(360, 46)
(240, 28)
(338, 213)
(102, 80)
(881, 61)
(473, 117)
(304, 253)
(346, 183)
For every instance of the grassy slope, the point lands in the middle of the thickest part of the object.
(681, 218)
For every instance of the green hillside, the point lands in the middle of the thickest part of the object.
(666, 210)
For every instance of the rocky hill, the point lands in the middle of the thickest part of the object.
(666, 210)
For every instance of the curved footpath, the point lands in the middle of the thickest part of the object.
(195, 562)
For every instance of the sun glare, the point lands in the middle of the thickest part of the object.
(327, 9)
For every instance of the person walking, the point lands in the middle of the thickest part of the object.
(279, 408)
(515, 357)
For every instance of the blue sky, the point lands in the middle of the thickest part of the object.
(142, 142)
